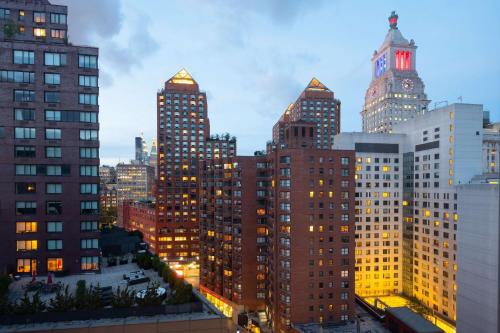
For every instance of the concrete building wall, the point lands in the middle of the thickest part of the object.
(478, 258)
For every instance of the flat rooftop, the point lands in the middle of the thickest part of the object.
(413, 320)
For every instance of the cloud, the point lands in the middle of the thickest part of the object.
(101, 23)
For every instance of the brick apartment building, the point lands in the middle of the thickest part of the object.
(49, 127)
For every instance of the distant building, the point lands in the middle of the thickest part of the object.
(140, 216)
(49, 138)
(491, 147)
(478, 257)
(109, 196)
(396, 92)
(153, 158)
(107, 175)
(134, 182)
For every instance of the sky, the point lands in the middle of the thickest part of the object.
(253, 58)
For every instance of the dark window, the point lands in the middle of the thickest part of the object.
(25, 207)
(24, 114)
(52, 97)
(54, 207)
(25, 151)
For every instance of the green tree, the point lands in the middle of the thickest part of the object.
(81, 295)
(94, 297)
(123, 298)
(29, 305)
(62, 302)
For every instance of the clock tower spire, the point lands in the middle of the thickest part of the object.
(396, 92)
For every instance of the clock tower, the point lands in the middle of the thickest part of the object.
(396, 92)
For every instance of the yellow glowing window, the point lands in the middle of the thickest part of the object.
(455, 217)
(368, 160)
(311, 228)
(185, 196)
(218, 192)
(359, 160)
(25, 265)
(385, 235)
(185, 179)
(330, 194)
(39, 32)
(193, 178)
(356, 177)
(27, 245)
(436, 223)
(385, 194)
(210, 233)
(272, 183)
(450, 182)
(311, 194)
(320, 228)
(25, 227)
(344, 228)
(163, 254)
(405, 203)
(427, 213)
(54, 264)
(386, 168)
(320, 262)
(368, 211)
(228, 272)
(321, 182)
(451, 138)
(359, 168)
(165, 239)
(228, 166)
(185, 167)
(261, 211)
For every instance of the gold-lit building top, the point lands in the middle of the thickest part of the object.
(182, 77)
(316, 85)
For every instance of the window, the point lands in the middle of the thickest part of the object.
(89, 243)
(26, 245)
(88, 152)
(89, 263)
(54, 264)
(54, 227)
(26, 170)
(26, 227)
(58, 33)
(53, 188)
(56, 18)
(87, 61)
(24, 265)
(25, 151)
(24, 114)
(89, 99)
(52, 78)
(4, 13)
(17, 77)
(54, 59)
(25, 188)
(25, 207)
(88, 117)
(344, 160)
(54, 170)
(22, 57)
(53, 152)
(51, 115)
(54, 207)
(53, 133)
(54, 244)
(39, 17)
(88, 188)
(89, 207)
(52, 97)
(88, 135)
(87, 80)
(88, 170)
(24, 95)
(88, 226)
(39, 32)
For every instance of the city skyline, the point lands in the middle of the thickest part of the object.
(258, 68)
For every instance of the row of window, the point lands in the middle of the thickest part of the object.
(38, 17)
(53, 134)
(48, 78)
(54, 244)
(87, 263)
(25, 96)
(54, 170)
(24, 57)
(24, 227)
(57, 115)
(53, 152)
(54, 207)
(54, 188)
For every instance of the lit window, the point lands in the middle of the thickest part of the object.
(54, 264)
(311, 228)
(39, 32)
(311, 194)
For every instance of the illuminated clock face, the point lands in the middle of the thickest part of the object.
(407, 85)
(380, 65)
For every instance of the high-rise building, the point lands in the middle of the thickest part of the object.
(311, 231)
(444, 147)
(153, 158)
(233, 233)
(478, 257)
(134, 182)
(491, 147)
(379, 213)
(316, 105)
(50, 148)
(107, 175)
(396, 92)
(141, 149)
(183, 129)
